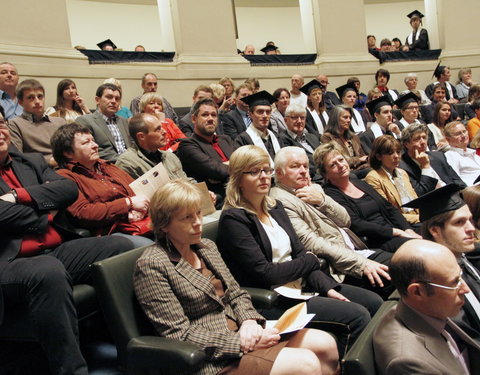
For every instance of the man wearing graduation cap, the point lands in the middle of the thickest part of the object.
(269, 49)
(257, 133)
(418, 38)
(107, 45)
(427, 170)
(348, 93)
(447, 220)
(442, 74)
(381, 109)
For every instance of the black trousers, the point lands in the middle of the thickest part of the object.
(43, 285)
(344, 319)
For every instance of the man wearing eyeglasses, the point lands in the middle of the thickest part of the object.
(447, 220)
(418, 335)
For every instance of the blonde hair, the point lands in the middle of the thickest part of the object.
(169, 200)
(218, 90)
(115, 82)
(149, 97)
(322, 152)
(243, 159)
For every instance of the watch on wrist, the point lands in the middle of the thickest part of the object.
(14, 193)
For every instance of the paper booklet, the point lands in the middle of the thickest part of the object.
(294, 319)
(152, 180)
(293, 290)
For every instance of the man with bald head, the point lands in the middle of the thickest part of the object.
(331, 99)
(418, 336)
(296, 96)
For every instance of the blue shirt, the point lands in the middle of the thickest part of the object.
(12, 108)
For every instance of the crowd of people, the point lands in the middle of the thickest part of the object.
(331, 195)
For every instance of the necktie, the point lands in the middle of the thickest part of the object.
(414, 37)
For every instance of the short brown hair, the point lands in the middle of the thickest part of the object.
(383, 145)
(28, 84)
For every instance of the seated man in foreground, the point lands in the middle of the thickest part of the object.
(37, 266)
(318, 221)
(418, 336)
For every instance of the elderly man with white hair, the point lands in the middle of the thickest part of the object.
(322, 225)
(411, 81)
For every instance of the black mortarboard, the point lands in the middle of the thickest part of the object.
(373, 105)
(438, 201)
(269, 48)
(310, 86)
(403, 100)
(438, 70)
(259, 98)
(348, 86)
(106, 43)
(415, 13)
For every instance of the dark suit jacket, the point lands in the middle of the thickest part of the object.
(423, 184)
(375, 233)
(367, 138)
(331, 100)
(286, 140)
(102, 135)
(232, 123)
(186, 124)
(247, 251)
(201, 161)
(404, 343)
(182, 304)
(48, 190)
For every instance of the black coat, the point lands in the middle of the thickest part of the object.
(232, 123)
(247, 251)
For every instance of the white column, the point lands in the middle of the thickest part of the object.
(308, 27)
(166, 26)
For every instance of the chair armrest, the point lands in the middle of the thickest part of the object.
(165, 354)
(323, 263)
(262, 298)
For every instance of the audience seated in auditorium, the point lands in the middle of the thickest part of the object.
(338, 131)
(438, 96)
(317, 116)
(381, 109)
(413, 337)
(417, 40)
(262, 250)
(260, 109)
(348, 94)
(442, 74)
(277, 120)
(373, 219)
(8, 90)
(105, 200)
(442, 115)
(427, 170)
(462, 159)
(382, 76)
(31, 131)
(473, 94)
(296, 96)
(411, 81)
(464, 83)
(473, 124)
(186, 124)
(153, 104)
(109, 130)
(123, 111)
(150, 84)
(238, 120)
(188, 294)
(322, 225)
(205, 156)
(229, 86)
(447, 220)
(361, 97)
(249, 50)
(296, 135)
(390, 181)
(70, 104)
(38, 265)
(331, 99)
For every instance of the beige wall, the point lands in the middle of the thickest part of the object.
(206, 50)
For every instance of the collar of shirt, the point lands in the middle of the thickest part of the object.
(107, 119)
(295, 135)
(383, 88)
(260, 134)
(8, 163)
(76, 167)
(28, 116)
(155, 156)
(4, 95)
(437, 324)
(469, 152)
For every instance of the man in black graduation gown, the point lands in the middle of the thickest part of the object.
(447, 220)
(418, 38)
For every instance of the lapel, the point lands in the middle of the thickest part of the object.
(433, 341)
(206, 147)
(102, 126)
(410, 164)
(264, 240)
(312, 141)
(24, 174)
(238, 119)
(390, 186)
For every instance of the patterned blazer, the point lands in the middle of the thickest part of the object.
(181, 303)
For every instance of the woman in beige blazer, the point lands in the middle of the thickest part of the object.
(387, 179)
(188, 293)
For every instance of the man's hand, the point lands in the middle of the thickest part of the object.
(373, 272)
(332, 293)
(312, 194)
(213, 197)
(393, 128)
(422, 159)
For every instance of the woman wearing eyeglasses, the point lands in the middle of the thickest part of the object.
(262, 250)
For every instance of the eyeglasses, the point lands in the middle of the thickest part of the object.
(258, 172)
(295, 118)
(456, 287)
